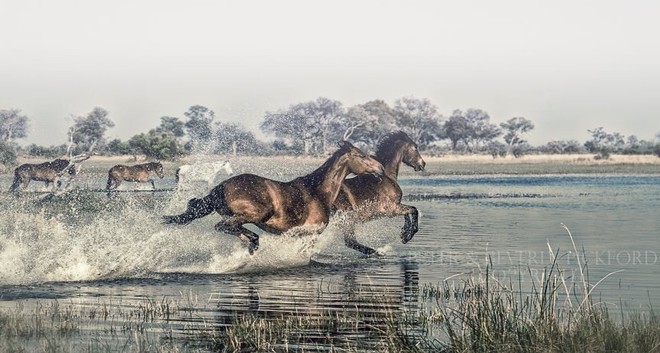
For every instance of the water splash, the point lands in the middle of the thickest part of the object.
(85, 237)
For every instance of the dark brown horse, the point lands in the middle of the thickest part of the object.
(372, 198)
(277, 207)
(48, 172)
(139, 173)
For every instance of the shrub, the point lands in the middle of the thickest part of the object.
(7, 154)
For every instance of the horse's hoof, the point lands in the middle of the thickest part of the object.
(408, 236)
(253, 246)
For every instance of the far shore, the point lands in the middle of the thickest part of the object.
(450, 164)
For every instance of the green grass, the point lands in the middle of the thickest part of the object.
(481, 314)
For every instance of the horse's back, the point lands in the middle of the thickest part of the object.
(117, 169)
(259, 189)
(363, 189)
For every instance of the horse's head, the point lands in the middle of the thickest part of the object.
(59, 165)
(157, 167)
(359, 162)
(412, 158)
(398, 147)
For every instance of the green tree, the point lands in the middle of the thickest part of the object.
(88, 131)
(368, 122)
(156, 145)
(603, 143)
(199, 126)
(119, 147)
(420, 119)
(233, 137)
(457, 129)
(46, 152)
(173, 125)
(561, 146)
(327, 115)
(7, 154)
(471, 127)
(294, 124)
(513, 130)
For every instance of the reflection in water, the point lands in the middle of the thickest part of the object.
(356, 307)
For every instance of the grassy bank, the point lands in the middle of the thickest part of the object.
(445, 165)
(540, 164)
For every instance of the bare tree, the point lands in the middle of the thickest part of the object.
(514, 128)
(13, 125)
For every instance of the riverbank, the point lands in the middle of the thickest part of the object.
(540, 164)
(443, 165)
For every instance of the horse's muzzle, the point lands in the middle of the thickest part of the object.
(420, 167)
(379, 173)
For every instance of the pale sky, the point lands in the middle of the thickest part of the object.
(567, 65)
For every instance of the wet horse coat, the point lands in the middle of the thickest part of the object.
(372, 198)
(140, 173)
(277, 207)
(48, 172)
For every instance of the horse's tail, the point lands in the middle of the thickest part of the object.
(198, 208)
(176, 175)
(16, 183)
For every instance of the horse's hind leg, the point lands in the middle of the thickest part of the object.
(234, 226)
(347, 227)
(111, 184)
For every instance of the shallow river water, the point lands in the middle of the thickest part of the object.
(119, 255)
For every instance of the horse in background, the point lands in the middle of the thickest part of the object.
(275, 206)
(206, 172)
(48, 172)
(139, 173)
(372, 198)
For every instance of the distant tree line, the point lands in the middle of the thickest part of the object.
(313, 128)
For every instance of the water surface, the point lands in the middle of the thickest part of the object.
(119, 253)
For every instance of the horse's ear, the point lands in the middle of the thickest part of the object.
(344, 144)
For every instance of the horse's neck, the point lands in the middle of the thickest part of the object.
(391, 162)
(327, 179)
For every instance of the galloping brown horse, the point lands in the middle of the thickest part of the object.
(48, 172)
(277, 207)
(137, 173)
(372, 198)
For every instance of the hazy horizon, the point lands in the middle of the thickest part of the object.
(567, 66)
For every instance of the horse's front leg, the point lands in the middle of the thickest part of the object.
(411, 222)
(52, 186)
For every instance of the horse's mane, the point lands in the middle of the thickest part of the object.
(318, 174)
(386, 145)
(152, 164)
(58, 164)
